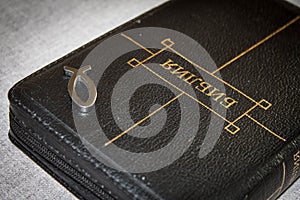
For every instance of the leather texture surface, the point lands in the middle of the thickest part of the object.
(238, 165)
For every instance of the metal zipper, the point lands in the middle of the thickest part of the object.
(33, 144)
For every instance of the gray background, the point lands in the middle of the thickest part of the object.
(32, 34)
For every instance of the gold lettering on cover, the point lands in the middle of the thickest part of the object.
(169, 64)
(228, 102)
(191, 78)
(195, 80)
(180, 71)
(218, 95)
(202, 86)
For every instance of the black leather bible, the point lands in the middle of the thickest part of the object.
(191, 100)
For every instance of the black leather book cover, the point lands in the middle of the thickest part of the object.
(192, 100)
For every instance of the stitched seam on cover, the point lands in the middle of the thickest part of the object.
(56, 176)
(57, 153)
(48, 127)
(18, 101)
(51, 129)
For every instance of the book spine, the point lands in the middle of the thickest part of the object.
(282, 170)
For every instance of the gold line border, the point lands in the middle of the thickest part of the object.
(216, 77)
(201, 103)
(142, 120)
(169, 47)
(266, 128)
(257, 44)
(135, 42)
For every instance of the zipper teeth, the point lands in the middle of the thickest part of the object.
(33, 144)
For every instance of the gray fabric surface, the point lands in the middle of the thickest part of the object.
(32, 34)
